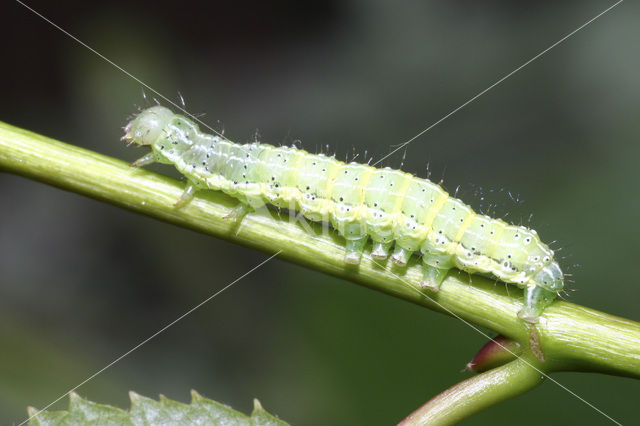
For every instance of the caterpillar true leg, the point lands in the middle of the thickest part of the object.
(187, 196)
(238, 212)
(144, 160)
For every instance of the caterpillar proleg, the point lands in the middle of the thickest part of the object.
(400, 213)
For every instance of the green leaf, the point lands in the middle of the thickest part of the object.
(145, 411)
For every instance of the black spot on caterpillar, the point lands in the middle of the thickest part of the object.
(390, 207)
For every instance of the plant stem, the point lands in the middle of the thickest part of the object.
(478, 393)
(572, 338)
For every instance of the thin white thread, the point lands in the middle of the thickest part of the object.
(498, 343)
(498, 82)
(122, 69)
(399, 147)
(151, 337)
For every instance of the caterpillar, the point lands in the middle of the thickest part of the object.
(402, 214)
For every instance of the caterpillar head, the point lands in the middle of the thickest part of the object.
(550, 277)
(145, 128)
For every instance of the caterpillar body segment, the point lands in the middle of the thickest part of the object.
(401, 213)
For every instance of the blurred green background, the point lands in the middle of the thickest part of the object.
(81, 282)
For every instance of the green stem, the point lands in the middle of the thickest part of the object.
(478, 393)
(572, 338)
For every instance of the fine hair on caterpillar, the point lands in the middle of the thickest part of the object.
(400, 213)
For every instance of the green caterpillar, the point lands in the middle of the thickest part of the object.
(361, 202)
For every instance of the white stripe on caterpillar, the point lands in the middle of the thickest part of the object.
(361, 202)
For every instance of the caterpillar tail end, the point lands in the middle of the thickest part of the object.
(536, 299)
